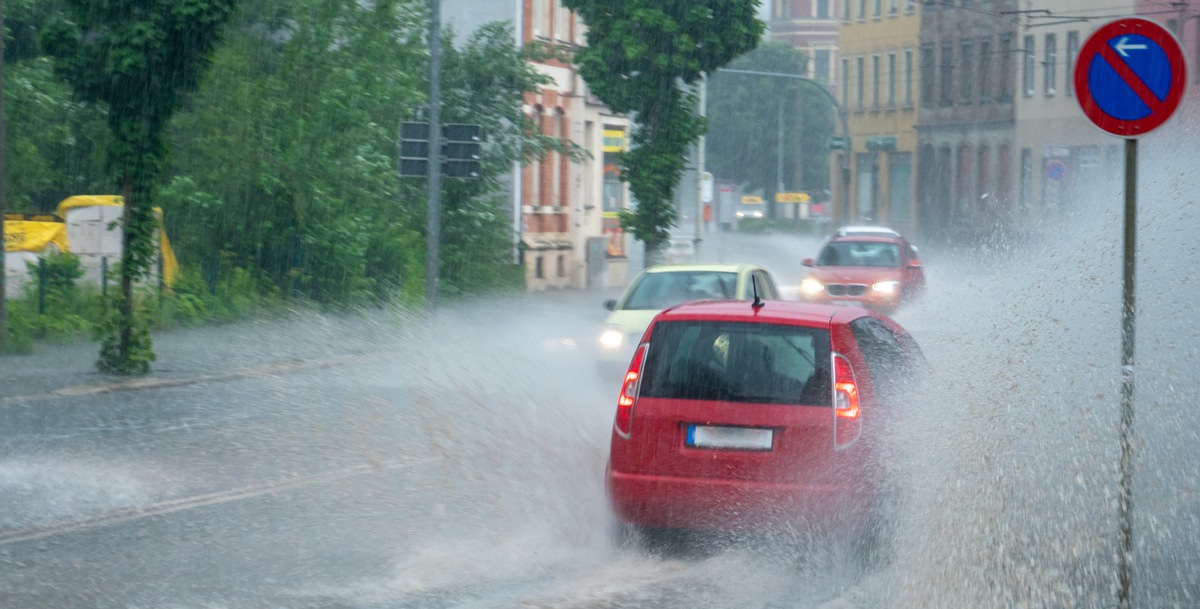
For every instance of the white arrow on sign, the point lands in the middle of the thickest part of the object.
(1124, 45)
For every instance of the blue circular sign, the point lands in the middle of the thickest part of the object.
(1130, 76)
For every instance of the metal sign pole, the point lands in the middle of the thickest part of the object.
(1128, 310)
(700, 152)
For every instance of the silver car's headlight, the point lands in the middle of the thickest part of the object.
(811, 286)
(612, 337)
(886, 287)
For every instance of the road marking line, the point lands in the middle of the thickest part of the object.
(181, 504)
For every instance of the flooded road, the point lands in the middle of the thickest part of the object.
(381, 460)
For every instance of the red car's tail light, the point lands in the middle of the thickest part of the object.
(629, 392)
(845, 390)
(847, 413)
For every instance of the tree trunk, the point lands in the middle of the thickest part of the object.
(125, 322)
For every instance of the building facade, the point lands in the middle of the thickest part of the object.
(812, 27)
(1062, 158)
(878, 42)
(966, 127)
(564, 210)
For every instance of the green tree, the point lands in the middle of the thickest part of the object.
(54, 143)
(642, 56)
(744, 127)
(139, 58)
(285, 164)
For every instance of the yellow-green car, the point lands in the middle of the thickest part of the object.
(663, 286)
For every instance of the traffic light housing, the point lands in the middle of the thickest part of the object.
(461, 153)
(462, 150)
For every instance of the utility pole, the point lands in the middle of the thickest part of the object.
(3, 173)
(779, 151)
(433, 221)
(700, 163)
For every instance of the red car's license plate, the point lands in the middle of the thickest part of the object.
(742, 438)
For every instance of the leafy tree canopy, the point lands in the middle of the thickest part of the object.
(640, 58)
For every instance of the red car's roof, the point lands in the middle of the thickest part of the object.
(772, 311)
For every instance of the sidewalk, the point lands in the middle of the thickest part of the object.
(299, 340)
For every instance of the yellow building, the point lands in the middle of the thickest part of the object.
(878, 88)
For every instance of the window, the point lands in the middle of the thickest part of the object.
(541, 18)
(983, 167)
(1051, 63)
(1006, 51)
(893, 7)
(877, 12)
(846, 10)
(875, 78)
(845, 75)
(927, 75)
(985, 69)
(821, 59)
(562, 266)
(862, 9)
(562, 22)
(908, 77)
(1072, 52)
(947, 83)
(1027, 77)
(891, 81)
(860, 65)
(887, 362)
(823, 9)
(1026, 177)
(910, 6)
(737, 362)
(966, 87)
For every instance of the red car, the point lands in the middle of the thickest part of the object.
(865, 266)
(758, 417)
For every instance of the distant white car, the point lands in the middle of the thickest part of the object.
(680, 250)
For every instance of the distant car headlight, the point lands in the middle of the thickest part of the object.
(811, 286)
(612, 337)
(758, 214)
(886, 287)
(741, 214)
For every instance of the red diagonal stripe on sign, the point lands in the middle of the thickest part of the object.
(1131, 78)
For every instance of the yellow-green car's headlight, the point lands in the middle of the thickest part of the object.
(612, 337)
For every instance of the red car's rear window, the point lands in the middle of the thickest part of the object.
(738, 362)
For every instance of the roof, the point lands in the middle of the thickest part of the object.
(772, 311)
(698, 266)
(851, 231)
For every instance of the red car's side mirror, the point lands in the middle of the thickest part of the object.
(914, 264)
(807, 262)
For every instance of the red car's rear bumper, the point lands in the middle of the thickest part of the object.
(737, 505)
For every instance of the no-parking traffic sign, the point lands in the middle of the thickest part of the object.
(1130, 76)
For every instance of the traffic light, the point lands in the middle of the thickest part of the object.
(463, 150)
(461, 154)
(414, 150)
